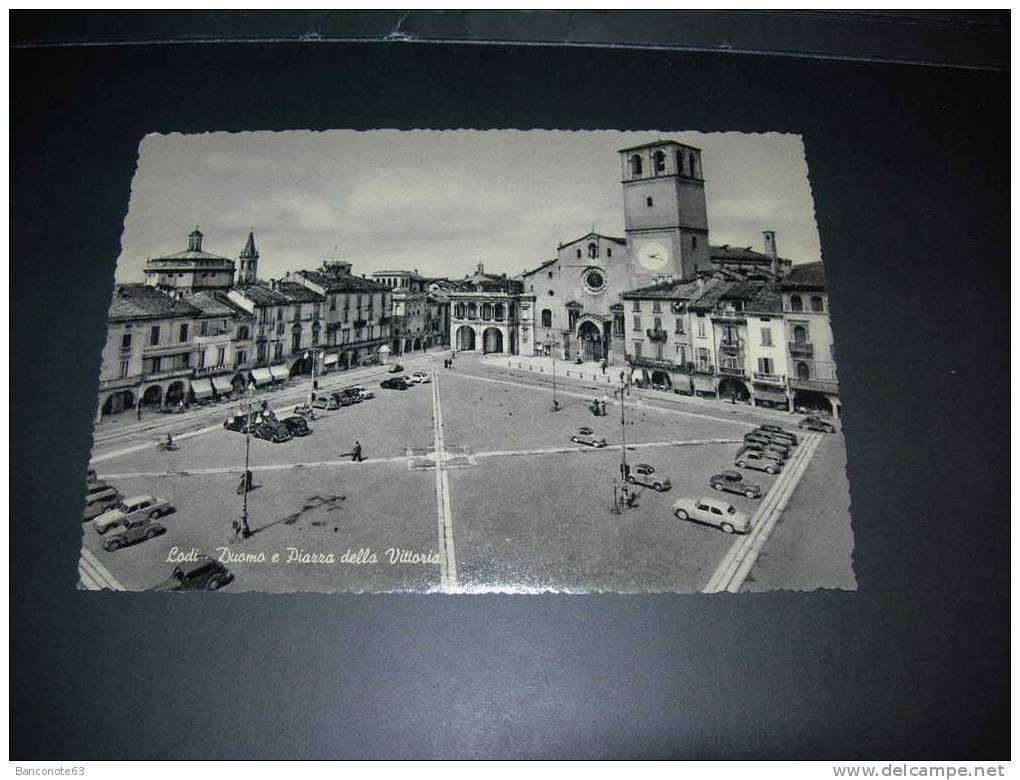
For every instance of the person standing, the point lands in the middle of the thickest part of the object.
(605, 365)
(356, 452)
(138, 410)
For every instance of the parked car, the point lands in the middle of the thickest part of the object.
(366, 395)
(138, 529)
(274, 431)
(325, 402)
(394, 383)
(587, 436)
(820, 424)
(733, 482)
(298, 426)
(764, 443)
(236, 422)
(344, 398)
(776, 430)
(748, 458)
(131, 508)
(420, 377)
(99, 497)
(201, 574)
(712, 511)
(643, 474)
(396, 368)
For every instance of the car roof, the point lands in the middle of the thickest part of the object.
(715, 502)
(136, 499)
(644, 466)
(585, 430)
(731, 474)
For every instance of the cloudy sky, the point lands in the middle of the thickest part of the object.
(438, 201)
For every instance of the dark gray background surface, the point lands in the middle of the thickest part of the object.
(909, 168)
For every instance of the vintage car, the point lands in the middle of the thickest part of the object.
(748, 458)
(757, 441)
(137, 529)
(130, 509)
(643, 474)
(396, 368)
(733, 482)
(99, 497)
(346, 397)
(273, 430)
(298, 426)
(420, 377)
(394, 383)
(325, 402)
(236, 422)
(204, 573)
(782, 433)
(587, 436)
(712, 511)
(820, 424)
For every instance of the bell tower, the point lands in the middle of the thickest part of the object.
(664, 212)
(248, 262)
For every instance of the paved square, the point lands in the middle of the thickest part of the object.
(470, 483)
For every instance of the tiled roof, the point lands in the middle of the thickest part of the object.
(141, 301)
(806, 276)
(298, 293)
(544, 265)
(263, 295)
(490, 283)
(667, 290)
(767, 301)
(586, 236)
(190, 254)
(342, 282)
(213, 303)
(658, 143)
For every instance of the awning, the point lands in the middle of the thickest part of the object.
(704, 383)
(261, 376)
(202, 388)
(279, 372)
(222, 383)
(331, 359)
(769, 394)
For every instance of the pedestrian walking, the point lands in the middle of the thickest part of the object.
(356, 452)
(603, 404)
(138, 410)
(605, 365)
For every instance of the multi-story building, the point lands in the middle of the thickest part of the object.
(356, 311)
(485, 314)
(811, 352)
(412, 320)
(149, 356)
(192, 269)
(224, 342)
(765, 342)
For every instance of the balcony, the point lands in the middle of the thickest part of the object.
(656, 334)
(654, 363)
(703, 368)
(731, 315)
(814, 384)
(801, 349)
(172, 373)
(730, 346)
(211, 370)
(116, 384)
(359, 323)
(770, 379)
(731, 367)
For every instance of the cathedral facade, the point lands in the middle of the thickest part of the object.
(578, 309)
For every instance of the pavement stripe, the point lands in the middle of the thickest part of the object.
(567, 448)
(738, 561)
(89, 564)
(402, 459)
(444, 515)
(587, 396)
(146, 445)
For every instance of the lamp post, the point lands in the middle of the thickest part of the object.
(245, 528)
(623, 435)
(551, 345)
(312, 354)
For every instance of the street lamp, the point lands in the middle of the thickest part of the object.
(551, 345)
(311, 354)
(623, 435)
(245, 528)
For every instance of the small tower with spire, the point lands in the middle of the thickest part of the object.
(248, 265)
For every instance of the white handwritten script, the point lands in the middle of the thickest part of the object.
(362, 556)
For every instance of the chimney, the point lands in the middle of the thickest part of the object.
(770, 250)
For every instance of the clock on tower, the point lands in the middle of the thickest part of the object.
(664, 212)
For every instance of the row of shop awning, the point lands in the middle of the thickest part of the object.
(269, 374)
